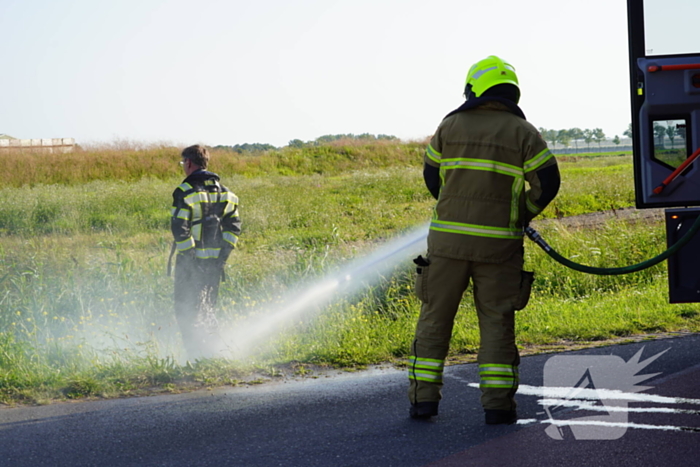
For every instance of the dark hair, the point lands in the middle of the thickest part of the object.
(197, 154)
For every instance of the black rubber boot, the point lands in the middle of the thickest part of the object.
(500, 417)
(424, 410)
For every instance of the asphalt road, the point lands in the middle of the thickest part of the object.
(362, 419)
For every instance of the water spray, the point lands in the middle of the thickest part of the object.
(308, 300)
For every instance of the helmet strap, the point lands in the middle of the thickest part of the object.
(468, 93)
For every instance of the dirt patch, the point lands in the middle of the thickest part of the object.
(596, 219)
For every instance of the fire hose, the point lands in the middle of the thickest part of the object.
(537, 238)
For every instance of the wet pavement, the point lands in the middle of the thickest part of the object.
(601, 417)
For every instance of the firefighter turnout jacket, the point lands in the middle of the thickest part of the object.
(485, 154)
(204, 217)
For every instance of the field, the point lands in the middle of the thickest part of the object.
(86, 304)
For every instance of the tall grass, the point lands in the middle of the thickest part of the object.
(134, 162)
(593, 184)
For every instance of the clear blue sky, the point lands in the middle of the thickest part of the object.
(269, 71)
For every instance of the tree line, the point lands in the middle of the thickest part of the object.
(566, 137)
(297, 143)
(325, 139)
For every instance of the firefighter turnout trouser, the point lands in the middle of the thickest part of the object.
(497, 291)
(195, 295)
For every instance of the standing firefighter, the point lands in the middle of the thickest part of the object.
(205, 228)
(476, 167)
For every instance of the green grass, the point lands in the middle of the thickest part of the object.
(86, 306)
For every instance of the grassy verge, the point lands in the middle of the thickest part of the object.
(86, 308)
(131, 162)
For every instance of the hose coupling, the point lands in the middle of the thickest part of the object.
(537, 238)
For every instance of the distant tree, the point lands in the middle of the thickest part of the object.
(564, 138)
(598, 136)
(576, 134)
(349, 136)
(296, 143)
(680, 131)
(588, 137)
(331, 138)
(659, 132)
(246, 147)
(616, 140)
(628, 131)
(671, 131)
(549, 136)
(258, 147)
(388, 137)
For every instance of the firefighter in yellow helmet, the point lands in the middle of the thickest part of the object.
(491, 173)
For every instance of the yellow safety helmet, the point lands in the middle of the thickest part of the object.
(489, 72)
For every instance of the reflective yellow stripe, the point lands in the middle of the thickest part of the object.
(229, 237)
(196, 212)
(185, 187)
(182, 214)
(197, 197)
(185, 244)
(432, 154)
(197, 232)
(476, 230)
(495, 379)
(517, 189)
(423, 366)
(538, 160)
(498, 375)
(228, 197)
(426, 361)
(231, 202)
(482, 164)
(502, 367)
(432, 377)
(532, 207)
(495, 368)
(429, 380)
(425, 369)
(207, 253)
